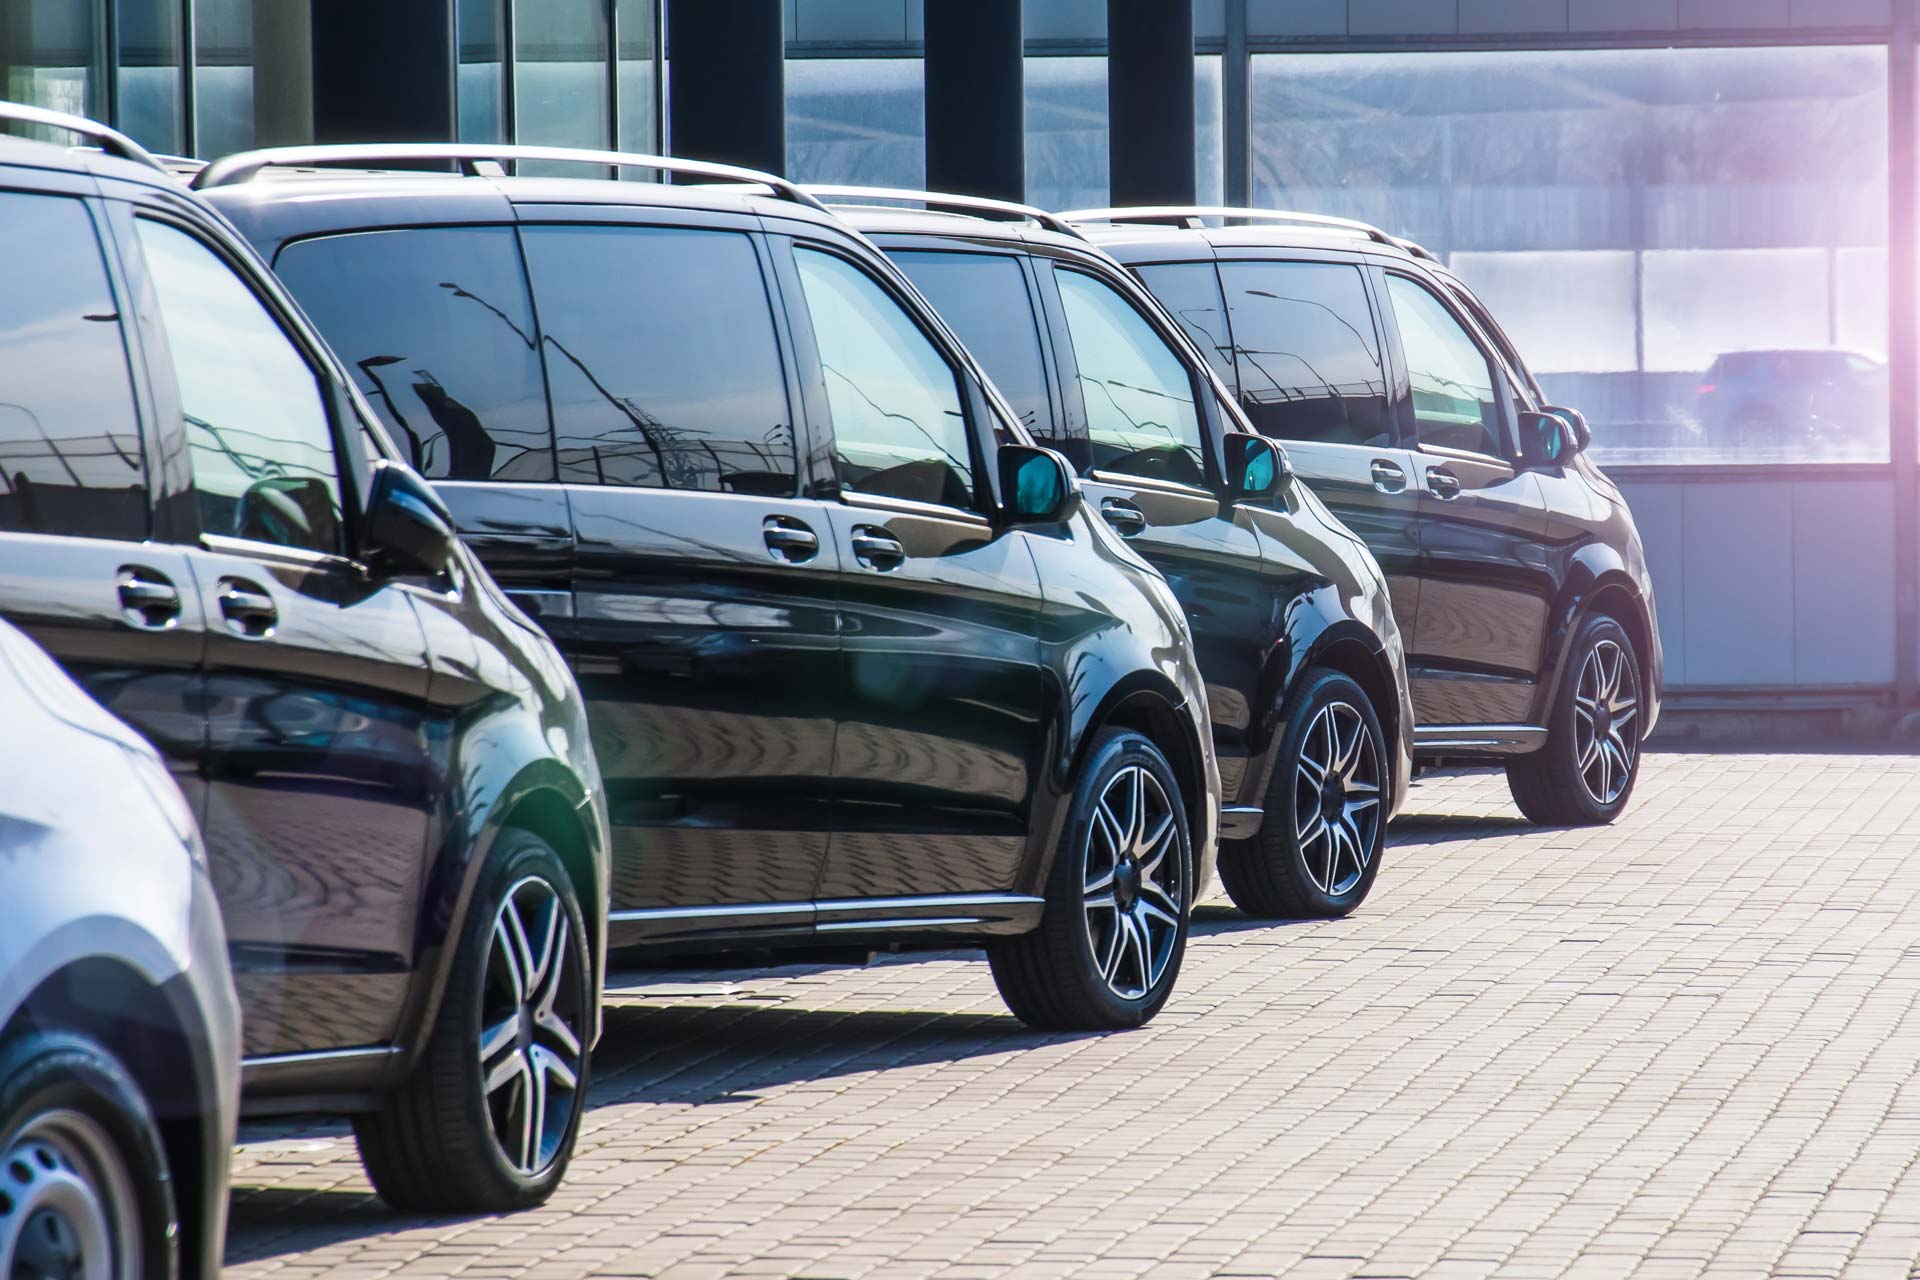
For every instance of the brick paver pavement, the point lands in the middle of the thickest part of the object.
(1683, 1045)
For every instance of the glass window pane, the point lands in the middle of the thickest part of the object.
(257, 432)
(560, 75)
(70, 454)
(53, 54)
(1141, 417)
(480, 32)
(1190, 291)
(1209, 144)
(898, 426)
(1066, 108)
(983, 297)
(1308, 351)
(222, 77)
(639, 93)
(1454, 405)
(1628, 216)
(857, 120)
(661, 356)
(437, 328)
(149, 73)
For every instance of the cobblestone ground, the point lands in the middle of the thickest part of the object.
(1682, 1045)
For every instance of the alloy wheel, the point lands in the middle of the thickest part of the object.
(1606, 704)
(68, 1210)
(1135, 885)
(530, 1047)
(1336, 798)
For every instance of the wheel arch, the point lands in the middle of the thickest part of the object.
(1350, 648)
(1598, 583)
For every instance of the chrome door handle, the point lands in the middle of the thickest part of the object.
(147, 599)
(876, 548)
(1126, 519)
(788, 539)
(250, 612)
(1388, 477)
(1443, 484)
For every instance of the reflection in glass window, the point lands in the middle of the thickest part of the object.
(435, 325)
(1141, 418)
(1307, 350)
(857, 120)
(1190, 291)
(1629, 215)
(1454, 405)
(560, 76)
(639, 37)
(257, 432)
(222, 76)
(1066, 109)
(983, 297)
(148, 70)
(1209, 137)
(70, 458)
(480, 33)
(898, 428)
(661, 359)
(53, 54)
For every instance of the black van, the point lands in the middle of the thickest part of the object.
(1518, 575)
(389, 764)
(1290, 615)
(857, 659)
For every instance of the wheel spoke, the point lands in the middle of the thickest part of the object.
(1110, 963)
(1587, 755)
(510, 956)
(556, 1026)
(1316, 829)
(522, 951)
(1356, 842)
(1350, 749)
(1155, 849)
(1136, 808)
(1102, 902)
(1148, 907)
(1100, 883)
(534, 1124)
(497, 1037)
(1109, 827)
(1152, 964)
(1359, 787)
(505, 1072)
(552, 1065)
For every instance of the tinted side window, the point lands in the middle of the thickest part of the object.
(984, 297)
(661, 357)
(1454, 405)
(435, 326)
(1141, 417)
(257, 431)
(70, 457)
(898, 426)
(1308, 352)
(1191, 292)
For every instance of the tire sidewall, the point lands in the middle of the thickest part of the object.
(1561, 738)
(1067, 883)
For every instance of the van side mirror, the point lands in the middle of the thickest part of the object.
(1256, 467)
(1036, 485)
(408, 529)
(1552, 436)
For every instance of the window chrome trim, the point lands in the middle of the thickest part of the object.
(274, 551)
(1172, 487)
(911, 507)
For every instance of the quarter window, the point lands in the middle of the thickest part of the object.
(661, 358)
(435, 326)
(257, 431)
(1453, 400)
(984, 297)
(898, 426)
(1190, 291)
(70, 456)
(1141, 416)
(1307, 352)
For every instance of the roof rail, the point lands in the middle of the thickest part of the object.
(478, 159)
(111, 141)
(1192, 214)
(936, 200)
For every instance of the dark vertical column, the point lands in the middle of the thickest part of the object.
(726, 82)
(976, 115)
(1236, 104)
(1150, 101)
(1903, 335)
(383, 72)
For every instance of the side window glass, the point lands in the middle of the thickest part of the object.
(898, 425)
(661, 358)
(70, 454)
(1308, 352)
(984, 298)
(1190, 291)
(257, 431)
(1454, 405)
(1141, 416)
(435, 326)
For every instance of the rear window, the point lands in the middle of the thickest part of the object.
(70, 456)
(983, 297)
(661, 355)
(1308, 352)
(435, 326)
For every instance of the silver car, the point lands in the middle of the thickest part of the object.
(119, 1030)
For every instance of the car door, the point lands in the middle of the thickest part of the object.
(1312, 371)
(82, 568)
(705, 634)
(944, 723)
(319, 773)
(1486, 584)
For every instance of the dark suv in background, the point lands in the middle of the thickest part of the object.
(1517, 574)
(862, 671)
(389, 763)
(1291, 621)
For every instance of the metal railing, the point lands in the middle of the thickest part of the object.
(1193, 215)
(941, 202)
(109, 140)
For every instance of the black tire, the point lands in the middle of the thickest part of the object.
(1553, 786)
(1278, 874)
(86, 1172)
(433, 1146)
(1077, 972)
